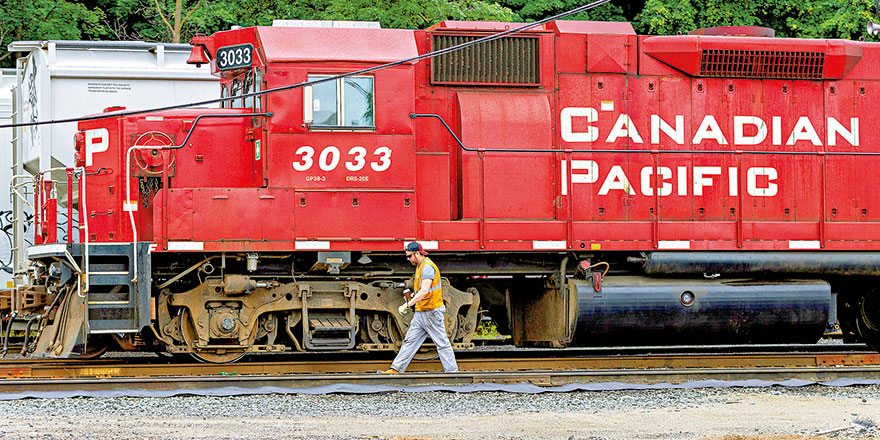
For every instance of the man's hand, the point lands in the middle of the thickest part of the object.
(404, 308)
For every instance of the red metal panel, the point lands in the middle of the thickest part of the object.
(432, 185)
(852, 232)
(591, 27)
(510, 120)
(521, 230)
(180, 214)
(217, 154)
(649, 65)
(336, 44)
(698, 231)
(241, 222)
(512, 194)
(770, 230)
(575, 92)
(454, 230)
(707, 177)
(364, 215)
(105, 190)
(673, 177)
(645, 101)
(519, 121)
(256, 214)
(341, 160)
(610, 53)
(847, 198)
(571, 50)
(611, 203)
(612, 230)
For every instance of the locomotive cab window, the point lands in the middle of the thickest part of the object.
(345, 103)
(245, 83)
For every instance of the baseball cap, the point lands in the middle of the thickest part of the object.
(414, 246)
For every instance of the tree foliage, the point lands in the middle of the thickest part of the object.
(531, 10)
(47, 20)
(416, 14)
(790, 18)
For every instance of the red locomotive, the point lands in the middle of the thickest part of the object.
(577, 183)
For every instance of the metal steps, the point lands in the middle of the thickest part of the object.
(116, 304)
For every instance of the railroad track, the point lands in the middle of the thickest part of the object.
(813, 363)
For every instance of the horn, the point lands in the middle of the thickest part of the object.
(873, 28)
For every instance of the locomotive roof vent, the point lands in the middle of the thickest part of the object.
(762, 64)
(716, 53)
(510, 61)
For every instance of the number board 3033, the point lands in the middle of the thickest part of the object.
(235, 57)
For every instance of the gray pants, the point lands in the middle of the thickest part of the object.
(426, 324)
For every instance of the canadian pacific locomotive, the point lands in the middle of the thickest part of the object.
(576, 183)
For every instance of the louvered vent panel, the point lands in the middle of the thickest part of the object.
(506, 61)
(762, 64)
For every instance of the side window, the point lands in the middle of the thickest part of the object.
(339, 103)
(247, 88)
(258, 86)
(241, 85)
(235, 90)
(224, 93)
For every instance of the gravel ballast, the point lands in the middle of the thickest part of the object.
(730, 414)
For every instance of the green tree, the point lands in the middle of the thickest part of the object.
(531, 10)
(790, 18)
(416, 14)
(157, 20)
(47, 20)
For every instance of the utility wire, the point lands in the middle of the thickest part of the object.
(427, 55)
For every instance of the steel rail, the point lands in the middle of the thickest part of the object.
(291, 382)
(587, 367)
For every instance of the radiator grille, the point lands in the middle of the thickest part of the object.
(762, 64)
(506, 61)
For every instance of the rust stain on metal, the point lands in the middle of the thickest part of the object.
(15, 372)
(860, 359)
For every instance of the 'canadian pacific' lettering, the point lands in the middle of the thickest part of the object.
(747, 130)
(759, 181)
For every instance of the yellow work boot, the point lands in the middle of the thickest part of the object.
(390, 371)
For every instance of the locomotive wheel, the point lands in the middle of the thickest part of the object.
(869, 319)
(188, 331)
(94, 349)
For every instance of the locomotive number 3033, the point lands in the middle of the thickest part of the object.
(330, 157)
(235, 57)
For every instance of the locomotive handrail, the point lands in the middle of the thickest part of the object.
(214, 115)
(657, 151)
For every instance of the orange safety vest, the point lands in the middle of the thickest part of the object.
(435, 294)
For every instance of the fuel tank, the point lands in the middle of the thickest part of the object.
(632, 310)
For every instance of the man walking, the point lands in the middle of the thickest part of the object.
(429, 317)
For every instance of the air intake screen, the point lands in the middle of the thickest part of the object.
(506, 61)
(762, 64)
